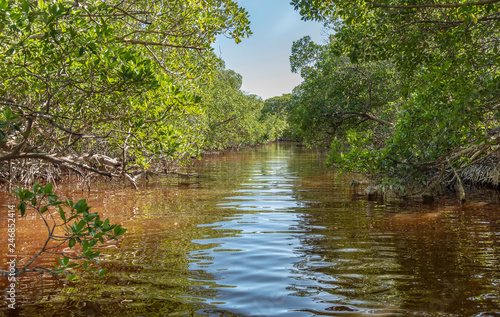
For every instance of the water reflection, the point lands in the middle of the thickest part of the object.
(254, 262)
(305, 246)
(269, 261)
(270, 232)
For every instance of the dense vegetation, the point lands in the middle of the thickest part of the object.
(232, 118)
(117, 87)
(404, 89)
(113, 88)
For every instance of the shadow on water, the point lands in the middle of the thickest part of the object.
(270, 232)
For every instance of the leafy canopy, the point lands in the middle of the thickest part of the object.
(445, 60)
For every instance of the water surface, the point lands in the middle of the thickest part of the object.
(272, 232)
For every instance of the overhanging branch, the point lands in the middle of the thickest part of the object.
(435, 5)
(139, 42)
(348, 115)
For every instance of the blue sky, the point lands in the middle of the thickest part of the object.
(262, 59)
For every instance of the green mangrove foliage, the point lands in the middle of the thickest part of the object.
(426, 71)
(102, 86)
(73, 233)
(277, 109)
(338, 96)
(232, 118)
(111, 88)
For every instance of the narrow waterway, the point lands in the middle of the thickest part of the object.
(272, 232)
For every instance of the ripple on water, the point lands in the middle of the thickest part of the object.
(262, 269)
(298, 244)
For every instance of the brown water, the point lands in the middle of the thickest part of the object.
(271, 232)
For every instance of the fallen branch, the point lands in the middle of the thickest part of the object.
(62, 161)
(133, 181)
